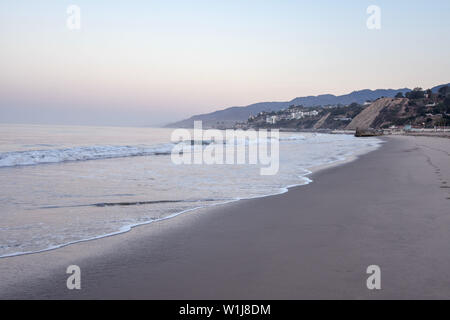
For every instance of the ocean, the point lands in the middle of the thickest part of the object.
(65, 184)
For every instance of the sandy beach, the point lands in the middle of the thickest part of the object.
(389, 208)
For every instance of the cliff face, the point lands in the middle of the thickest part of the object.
(321, 121)
(368, 116)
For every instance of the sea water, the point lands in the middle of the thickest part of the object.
(65, 184)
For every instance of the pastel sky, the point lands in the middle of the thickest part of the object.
(152, 62)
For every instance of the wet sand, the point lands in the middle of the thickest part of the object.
(389, 208)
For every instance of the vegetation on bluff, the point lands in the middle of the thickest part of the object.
(417, 108)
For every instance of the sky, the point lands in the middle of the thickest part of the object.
(147, 63)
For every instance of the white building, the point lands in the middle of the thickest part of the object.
(310, 113)
(271, 119)
(342, 119)
(297, 115)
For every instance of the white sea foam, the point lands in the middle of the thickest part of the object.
(292, 138)
(34, 157)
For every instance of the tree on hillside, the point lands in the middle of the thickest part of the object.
(444, 91)
(399, 95)
(417, 93)
(447, 102)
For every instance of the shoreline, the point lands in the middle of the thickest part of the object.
(125, 229)
(204, 242)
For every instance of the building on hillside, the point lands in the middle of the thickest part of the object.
(271, 119)
(342, 119)
(312, 113)
(297, 115)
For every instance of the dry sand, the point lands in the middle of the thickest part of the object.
(391, 208)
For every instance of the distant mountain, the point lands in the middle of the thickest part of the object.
(232, 115)
(436, 89)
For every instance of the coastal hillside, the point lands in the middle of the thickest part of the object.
(418, 108)
(366, 118)
(228, 117)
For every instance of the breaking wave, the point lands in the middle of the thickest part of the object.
(34, 157)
